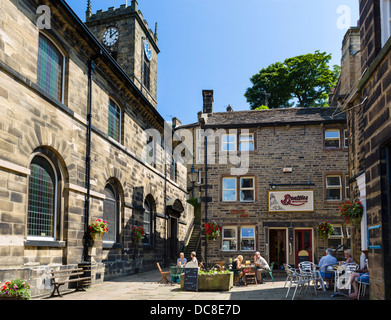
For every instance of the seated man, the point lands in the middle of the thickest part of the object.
(261, 265)
(324, 262)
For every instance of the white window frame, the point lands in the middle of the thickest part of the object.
(247, 238)
(345, 138)
(347, 187)
(332, 139)
(225, 143)
(334, 187)
(235, 238)
(199, 176)
(246, 189)
(385, 20)
(249, 140)
(222, 188)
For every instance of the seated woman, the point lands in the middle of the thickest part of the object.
(237, 269)
(181, 262)
(359, 275)
(348, 257)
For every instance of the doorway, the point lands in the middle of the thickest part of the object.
(173, 249)
(277, 247)
(303, 245)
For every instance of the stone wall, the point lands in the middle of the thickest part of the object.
(300, 147)
(34, 123)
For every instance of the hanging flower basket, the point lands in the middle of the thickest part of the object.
(212, 230)
(137, 234)
(325, 229)
(352, 212)
(98, 228)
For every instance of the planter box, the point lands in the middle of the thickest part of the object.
(213, 282)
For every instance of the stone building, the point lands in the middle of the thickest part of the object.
(252, 161)
(368, 117)
(81, 139)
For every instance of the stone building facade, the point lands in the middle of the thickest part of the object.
(251, 161)
(368, 118)
(79, 141)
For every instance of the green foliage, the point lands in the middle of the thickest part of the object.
(308, 79)
(194, 202)
(261, 108)
(17, 288)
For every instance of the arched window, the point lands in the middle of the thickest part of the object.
(111, 212)
(50, 68)
(42, 200)
(147, 222)
(115, 118)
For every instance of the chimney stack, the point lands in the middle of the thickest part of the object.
(176, 122)
(208, 101)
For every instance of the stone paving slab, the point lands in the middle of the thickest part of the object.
(144, 286)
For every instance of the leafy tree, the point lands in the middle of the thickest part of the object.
(308, 79)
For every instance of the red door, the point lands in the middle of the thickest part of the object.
(303, 244)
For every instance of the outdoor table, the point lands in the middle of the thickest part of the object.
(249, 270)
(175, 272)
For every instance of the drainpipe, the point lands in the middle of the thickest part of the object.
(206, 196)
(86, 257)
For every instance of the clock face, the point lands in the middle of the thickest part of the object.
(110, 36)
(147, 49)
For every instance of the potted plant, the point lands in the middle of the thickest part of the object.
(137, 234)
(352, 212)
(16, 289)
(212, 230)
(325, 229)
(98, 228)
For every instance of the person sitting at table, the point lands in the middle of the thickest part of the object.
(325, 261)
(237, 269)
(348, 257)
(193, 263)
(261, 265)
(358, 275)
(181, 262)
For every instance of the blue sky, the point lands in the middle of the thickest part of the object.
(220, 44)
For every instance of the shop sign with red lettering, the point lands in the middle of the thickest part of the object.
(292, 200)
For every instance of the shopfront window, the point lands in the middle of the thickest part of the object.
(229, 238)
(247, 238)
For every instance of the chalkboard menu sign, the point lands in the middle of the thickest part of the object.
(191, 279)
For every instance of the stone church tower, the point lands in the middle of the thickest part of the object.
(127, 37)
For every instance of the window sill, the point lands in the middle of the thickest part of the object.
(110, 245)
(43, 243)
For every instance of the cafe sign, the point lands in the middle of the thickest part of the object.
(292, 200)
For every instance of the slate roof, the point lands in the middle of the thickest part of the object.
(283, 116)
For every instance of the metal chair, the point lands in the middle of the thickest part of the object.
(362, 280)
(295, 278)
(307, 273)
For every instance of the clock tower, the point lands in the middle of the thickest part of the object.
(126, 35)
